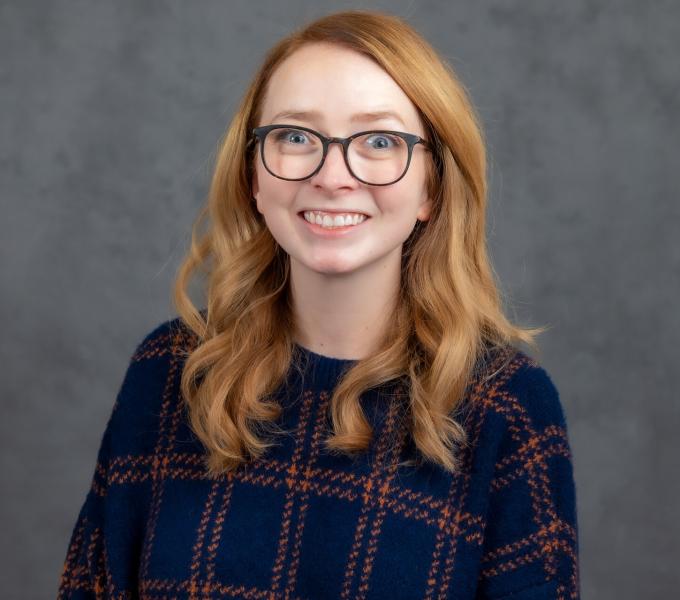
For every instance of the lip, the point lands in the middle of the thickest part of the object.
(332, 233)
(336, 211)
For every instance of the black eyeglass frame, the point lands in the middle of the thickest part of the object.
(260, 133)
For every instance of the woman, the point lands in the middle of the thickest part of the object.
(349, 416)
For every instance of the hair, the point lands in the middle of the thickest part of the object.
(448, 317)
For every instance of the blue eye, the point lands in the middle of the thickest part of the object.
(291, 136)
(382, 141)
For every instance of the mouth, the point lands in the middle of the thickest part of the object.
(330, 230)
(337, 223)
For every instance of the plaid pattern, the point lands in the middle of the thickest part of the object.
(305, 524)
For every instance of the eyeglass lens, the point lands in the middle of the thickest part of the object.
(375, 157)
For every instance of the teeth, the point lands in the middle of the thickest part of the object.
(330, 222)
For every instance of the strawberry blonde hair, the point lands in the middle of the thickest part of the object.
(449, 315)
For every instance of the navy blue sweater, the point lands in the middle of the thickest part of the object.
(303, 523)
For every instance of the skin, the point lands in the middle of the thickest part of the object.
(344, 289)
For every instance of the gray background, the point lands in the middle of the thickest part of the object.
(110, 114)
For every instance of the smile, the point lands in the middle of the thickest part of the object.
(333, 221)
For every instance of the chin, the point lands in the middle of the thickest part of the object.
(332, 266)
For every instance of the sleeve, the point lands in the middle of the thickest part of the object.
(100, 552)
(85, 568)
(531, 537)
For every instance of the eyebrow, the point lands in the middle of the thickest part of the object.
(309, 115)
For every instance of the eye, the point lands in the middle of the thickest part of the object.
(293, 136)
(379, 141)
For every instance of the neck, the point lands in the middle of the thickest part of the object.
(343, 315)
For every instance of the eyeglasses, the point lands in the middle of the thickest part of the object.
(376, 157)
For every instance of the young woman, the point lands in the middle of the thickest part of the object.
(349, 416)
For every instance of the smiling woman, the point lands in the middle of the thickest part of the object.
(349, 416)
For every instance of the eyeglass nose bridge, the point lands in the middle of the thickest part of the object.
(344, 143)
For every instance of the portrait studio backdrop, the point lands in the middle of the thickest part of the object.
(110, 114)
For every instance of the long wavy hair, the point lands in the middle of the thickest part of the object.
(448, 318)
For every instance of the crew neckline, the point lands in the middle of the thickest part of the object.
(325, 357)
(323, 370)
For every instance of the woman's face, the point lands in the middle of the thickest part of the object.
(336, 85)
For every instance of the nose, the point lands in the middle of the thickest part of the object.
(334, 171)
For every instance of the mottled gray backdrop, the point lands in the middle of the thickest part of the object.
(110, 114)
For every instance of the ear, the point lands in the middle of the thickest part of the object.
(425, 210)
(255, 190)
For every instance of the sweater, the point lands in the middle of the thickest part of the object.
(303, 523)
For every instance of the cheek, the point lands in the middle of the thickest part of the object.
(273, 192)
(401, 201)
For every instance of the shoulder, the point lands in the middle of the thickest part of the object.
(521, 423)
(169, 337)
(536, 391)
(524, 449)
(159, 350)
(519, 389)
(516, 409)
(150, 387)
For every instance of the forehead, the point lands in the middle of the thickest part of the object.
(336, 83)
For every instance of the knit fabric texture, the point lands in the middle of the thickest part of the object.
(304, 523)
